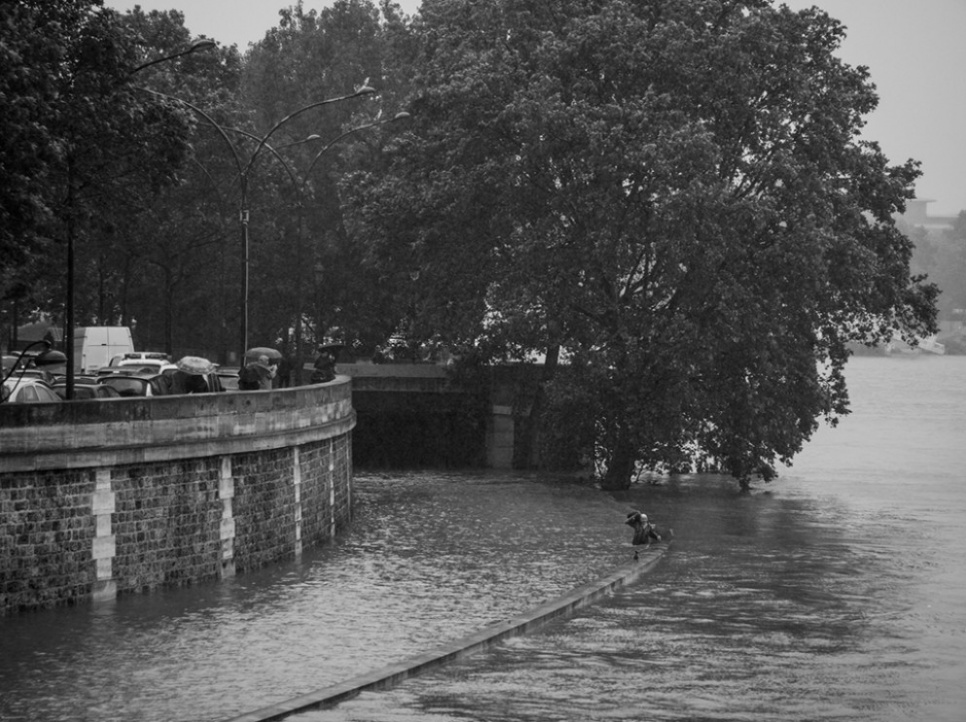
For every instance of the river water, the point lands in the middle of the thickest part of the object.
(837, 592)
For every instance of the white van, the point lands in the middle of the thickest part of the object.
(95, 346)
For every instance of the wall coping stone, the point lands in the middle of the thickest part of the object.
(112, 432)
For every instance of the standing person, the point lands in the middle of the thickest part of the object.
(266, 372)
(284, 372)
(248, 377)
(256, 375)
(324, 370)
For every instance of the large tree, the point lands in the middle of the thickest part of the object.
(672, 191)
(76, 133)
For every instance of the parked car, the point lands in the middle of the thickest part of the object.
(228, 377)
(8, 362)
(34, 373)
(181, 382)
(136, 384)
(94, 346)
(28, 390)
(140, 356)
(150, 366)
(139, 362)
(86, 388)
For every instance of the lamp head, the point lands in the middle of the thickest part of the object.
(49, 357)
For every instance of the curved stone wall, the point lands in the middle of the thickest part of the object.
(103, 497)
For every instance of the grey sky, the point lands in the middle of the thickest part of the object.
(914, 51)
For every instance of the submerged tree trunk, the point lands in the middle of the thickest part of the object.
(530, 453)
(620, 470)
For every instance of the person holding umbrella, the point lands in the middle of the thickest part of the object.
(257, 375)
(324, 367)
(191, 376)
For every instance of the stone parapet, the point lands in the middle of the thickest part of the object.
(108, 432)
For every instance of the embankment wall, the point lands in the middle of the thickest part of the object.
(99, 498)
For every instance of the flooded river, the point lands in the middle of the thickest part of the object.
(837, 593)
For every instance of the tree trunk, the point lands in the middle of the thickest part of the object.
(169, 291)
(530, 453)
(620, 470)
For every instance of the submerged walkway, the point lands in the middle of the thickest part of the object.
(434, 564)
(530, 621)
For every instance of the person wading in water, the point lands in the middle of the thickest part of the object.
(644, 531)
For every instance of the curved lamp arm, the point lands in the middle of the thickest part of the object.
(398, 116)
(211, 121)
(262, 144)
(363, 90)
(195, 46)
(47, 357)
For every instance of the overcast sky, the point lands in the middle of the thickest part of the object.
(915, 51)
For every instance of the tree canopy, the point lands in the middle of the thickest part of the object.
(667, 200)
(76, 137)
(674, 192)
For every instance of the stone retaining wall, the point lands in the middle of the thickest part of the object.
(99, 498)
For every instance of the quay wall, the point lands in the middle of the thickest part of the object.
(100, 498)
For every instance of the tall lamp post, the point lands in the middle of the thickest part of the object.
(300, 188)
(244, 168)
(69, 321)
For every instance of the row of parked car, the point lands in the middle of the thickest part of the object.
(130, 375)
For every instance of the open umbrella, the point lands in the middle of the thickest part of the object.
(195, 365)
(271, 353)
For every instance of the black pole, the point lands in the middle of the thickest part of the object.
(243, 217)
(69, 312)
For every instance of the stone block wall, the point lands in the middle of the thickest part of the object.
(46, 538)
(165, 524)
(268, 487)
(170, 491)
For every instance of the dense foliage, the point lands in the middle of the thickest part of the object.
(673, 191)
(154, 211)
(76, 136)
(670, 197)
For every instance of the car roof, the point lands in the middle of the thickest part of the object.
(145, 361)
(135, 378)
(146, 366)
(160, 355)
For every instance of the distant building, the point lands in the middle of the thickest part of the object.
(917, 214)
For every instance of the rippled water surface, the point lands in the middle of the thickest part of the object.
(835, 593)
(429, 558)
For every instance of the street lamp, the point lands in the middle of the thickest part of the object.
(244, 168)
(301, 218)
(203, 44)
